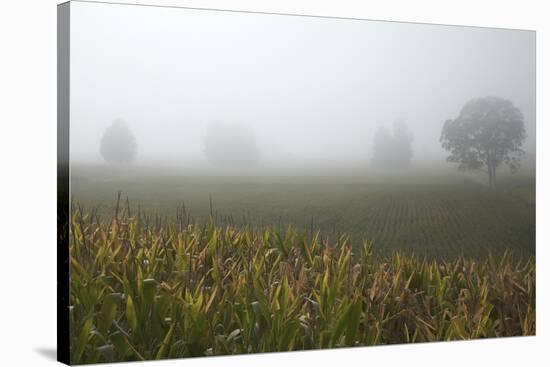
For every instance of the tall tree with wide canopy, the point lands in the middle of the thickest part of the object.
(488, 132)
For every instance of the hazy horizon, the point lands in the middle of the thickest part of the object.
(313, 91)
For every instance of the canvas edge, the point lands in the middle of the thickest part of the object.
(63, 200)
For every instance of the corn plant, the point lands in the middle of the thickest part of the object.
(144, 289)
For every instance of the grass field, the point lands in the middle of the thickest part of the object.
(421, 211)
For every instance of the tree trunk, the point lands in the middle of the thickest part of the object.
(492, 175)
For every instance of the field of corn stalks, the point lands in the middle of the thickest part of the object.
(143, 289)
(424, 212)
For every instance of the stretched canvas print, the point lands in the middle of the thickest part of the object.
(237, 182)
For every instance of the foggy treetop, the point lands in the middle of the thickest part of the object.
(310, 89)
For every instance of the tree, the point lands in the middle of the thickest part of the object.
(393, 150)
(402, 144)
(382, 142)
(118, 145)
(231, 145)
(487, 133)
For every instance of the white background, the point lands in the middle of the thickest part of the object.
(28, 183)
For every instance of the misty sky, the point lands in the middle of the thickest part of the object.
(311, 89)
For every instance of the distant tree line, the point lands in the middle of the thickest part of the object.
(487, 133)
(225, 145)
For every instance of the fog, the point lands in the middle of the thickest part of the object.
(312, 91)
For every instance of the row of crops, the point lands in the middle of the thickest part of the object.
(144, 289)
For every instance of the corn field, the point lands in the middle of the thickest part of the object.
(143, 289)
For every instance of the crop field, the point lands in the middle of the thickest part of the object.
(144, 290)
(420, 212)
(167, 265)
